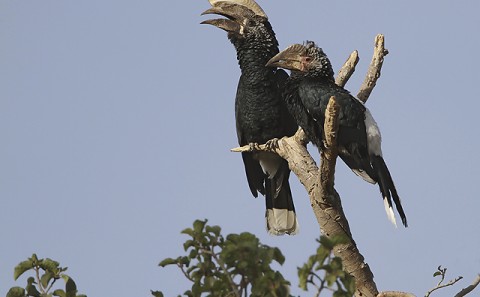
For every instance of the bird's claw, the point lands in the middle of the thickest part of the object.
(272, 144)
(254, 147)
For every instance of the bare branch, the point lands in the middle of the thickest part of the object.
(439, 286)
(373, 73)
(330, 153)
(470, 288)
(347, 69)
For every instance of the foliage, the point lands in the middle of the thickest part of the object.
(325, 271)
(240, 265)
(46, 273)
(233, 266)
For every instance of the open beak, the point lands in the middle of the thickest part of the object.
(235, 16)
(290, 58)
(224, 24)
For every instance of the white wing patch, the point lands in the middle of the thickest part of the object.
(374, 138)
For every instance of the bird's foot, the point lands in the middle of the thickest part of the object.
(254, 146)
(272, 144)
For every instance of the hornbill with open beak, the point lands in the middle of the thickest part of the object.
(307, 92)
(260, 112)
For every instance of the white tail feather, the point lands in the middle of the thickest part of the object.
(389, 211)
(281, 221)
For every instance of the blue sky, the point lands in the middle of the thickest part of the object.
(116, 120)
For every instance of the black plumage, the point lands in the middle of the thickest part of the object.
(260, 113)
(307, 93)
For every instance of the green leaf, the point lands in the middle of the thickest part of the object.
(34, 258)
(213, 229)
(198, 226)
(303, 277)
(193, 254)
(70, 286)
(340, 239)
(59, 293)
(437, 273)
(46, 278)
(326, 242)
(167, 261)
(32, 290)
(156, 293)
(336, 264)
(340, 293)
(16, 292)
(21, 268)
(183, 260)
(330, 278)
(188, 231)
(188, 244)
(49, 265)
(278, 256)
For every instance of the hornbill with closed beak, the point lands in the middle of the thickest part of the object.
(261, 114)
(307, 92)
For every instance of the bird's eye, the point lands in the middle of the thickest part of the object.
(249, 23)
(308, 59)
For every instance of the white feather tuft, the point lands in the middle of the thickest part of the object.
(281, 221)
(389, 211)
(269, 163)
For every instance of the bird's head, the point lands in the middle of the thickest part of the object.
(306, 59)
(244, 20)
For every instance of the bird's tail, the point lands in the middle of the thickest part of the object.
(388, 190)
(280, 215)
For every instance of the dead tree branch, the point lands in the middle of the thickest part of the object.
(439, 286)
(373, 73)
(470, 288)
(347, 69)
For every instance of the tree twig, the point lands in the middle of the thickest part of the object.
(347, 69)
(233, 285)
(470, 288)
(439, 286)
(185, 273)
(373, 73)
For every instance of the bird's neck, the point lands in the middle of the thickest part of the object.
(313, 76)
(253, 56)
